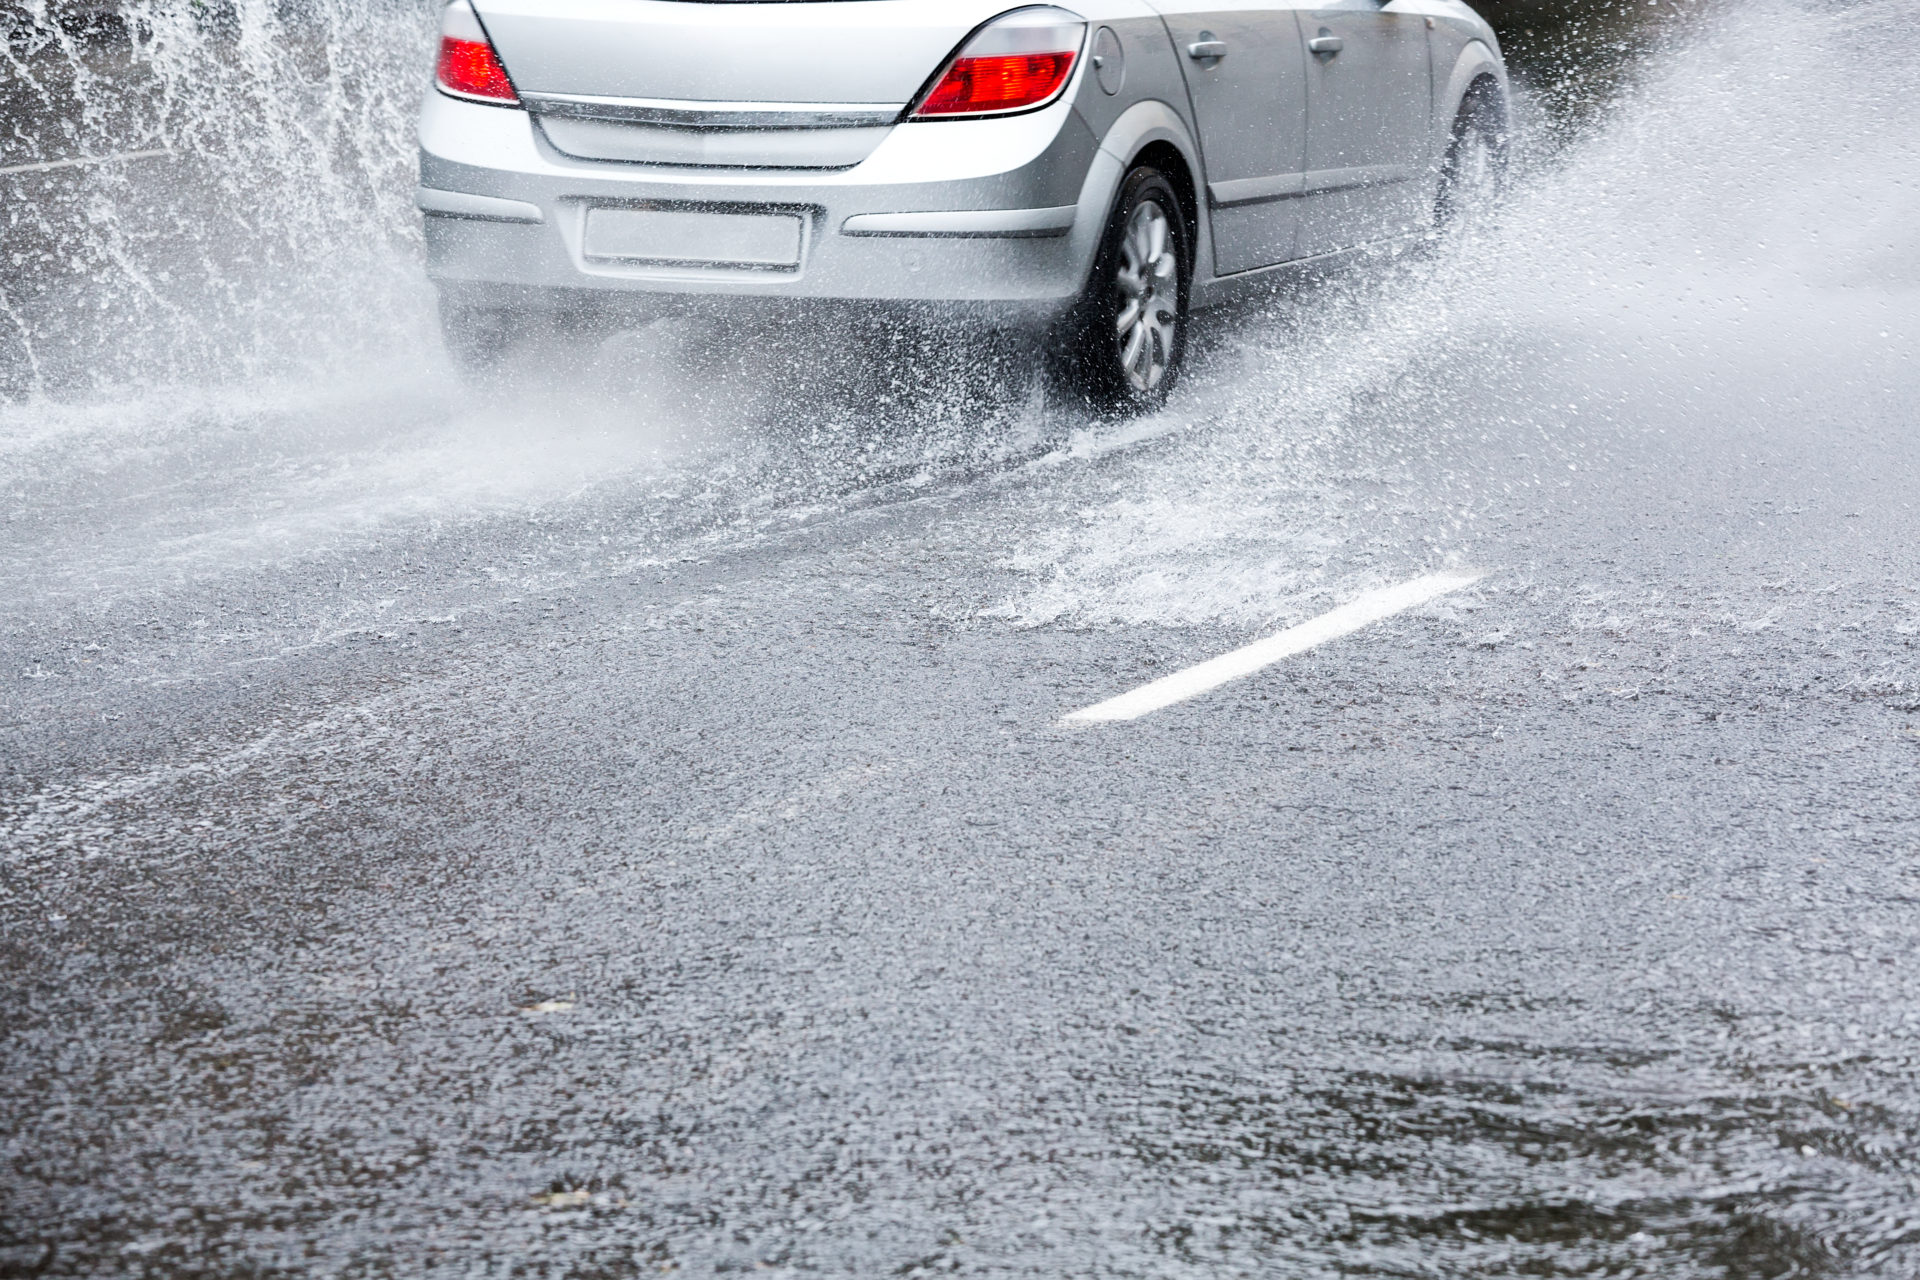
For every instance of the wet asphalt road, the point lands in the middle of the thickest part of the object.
(520, 838)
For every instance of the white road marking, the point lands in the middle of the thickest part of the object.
(1214, 672)
(43, 165)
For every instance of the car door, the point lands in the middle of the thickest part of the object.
(1246, 77)
(1369, 95)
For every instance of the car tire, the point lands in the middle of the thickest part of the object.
(1475, 168)
(481, 339)
(1122, 347)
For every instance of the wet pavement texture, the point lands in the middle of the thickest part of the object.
(620, 822)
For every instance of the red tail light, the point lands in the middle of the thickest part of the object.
(1008, 82)
(1017, 62)
(469, 68)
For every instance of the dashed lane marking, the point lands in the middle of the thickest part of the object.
(42, 166)
(1214, 672)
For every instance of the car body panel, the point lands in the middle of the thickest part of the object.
(1022, 163)
(646, 143)
(1149, 127)
(1250, 106)
(835, 51)
(1459, 59)
(966, 212)
(1367, 136)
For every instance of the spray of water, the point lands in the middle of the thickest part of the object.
(223, 358)
(233, 361)
(227, 357)
(1741, 230)
(272, 235)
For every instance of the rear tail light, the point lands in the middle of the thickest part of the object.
(1018, 62)
(469, 68)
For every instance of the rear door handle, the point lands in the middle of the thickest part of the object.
(1326, 44)
(1207, 50)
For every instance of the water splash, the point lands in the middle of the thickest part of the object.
(224, 358)
(273, 234)
(1719, 237)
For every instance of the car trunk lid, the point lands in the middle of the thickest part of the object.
(834, 52)
(795, 85)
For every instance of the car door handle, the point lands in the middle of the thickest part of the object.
(1207, 50)
(1326, 44)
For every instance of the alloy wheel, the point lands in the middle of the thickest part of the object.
(1474, 163)
(1148, 284)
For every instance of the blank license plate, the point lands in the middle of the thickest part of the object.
(766, 240)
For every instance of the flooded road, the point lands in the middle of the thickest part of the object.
(621, 821)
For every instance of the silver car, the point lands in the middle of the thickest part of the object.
(1092, 172)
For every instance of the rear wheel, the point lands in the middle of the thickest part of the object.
(481, 339)
(1475, 168)
(1124, 344)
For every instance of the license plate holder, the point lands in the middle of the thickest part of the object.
(713, 238)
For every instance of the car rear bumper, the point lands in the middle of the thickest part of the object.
(991, 215)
